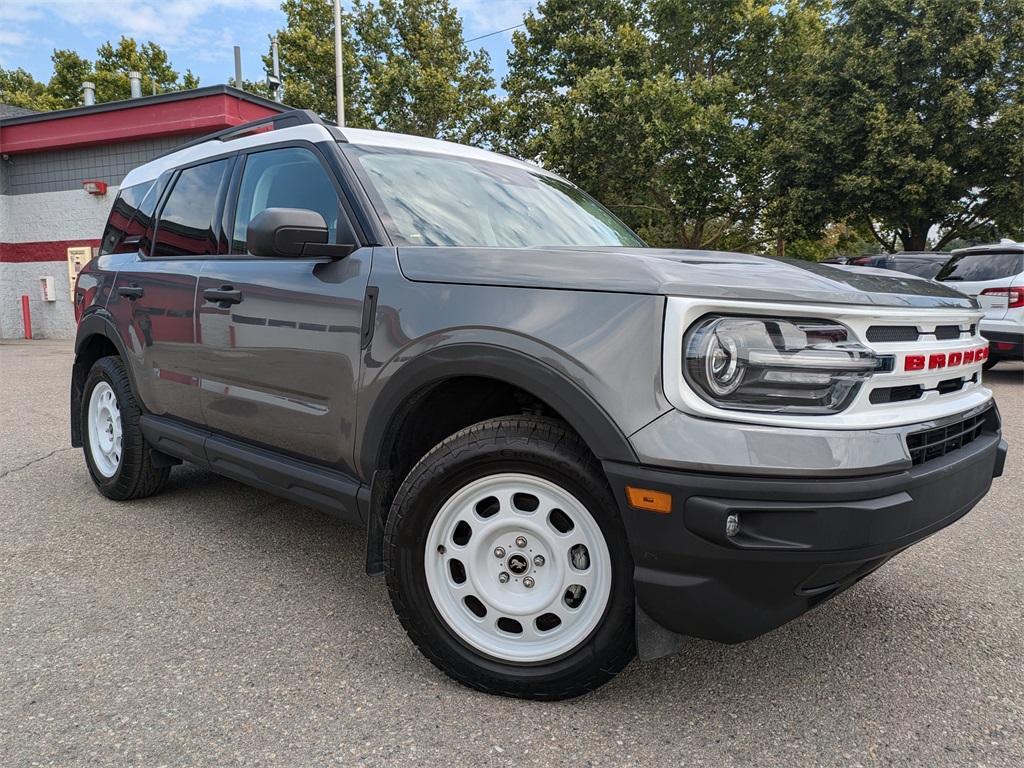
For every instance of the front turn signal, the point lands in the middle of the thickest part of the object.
(651, 501)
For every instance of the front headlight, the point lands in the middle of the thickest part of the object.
(775, 364)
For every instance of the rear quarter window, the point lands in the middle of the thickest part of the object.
(976, 267)
(124, 219)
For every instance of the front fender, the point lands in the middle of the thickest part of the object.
(465, 358)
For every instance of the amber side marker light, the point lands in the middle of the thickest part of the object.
(652, 501)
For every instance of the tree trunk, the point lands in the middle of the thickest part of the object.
(915, 237)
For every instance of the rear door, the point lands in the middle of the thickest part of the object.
(975, 272)
(279, 363)
(153, 300)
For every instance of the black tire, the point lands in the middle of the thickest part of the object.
(990, 363)
(536, 446)
(135, 477)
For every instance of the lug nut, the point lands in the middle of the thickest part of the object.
(538, 560)
(528, 582)
(441, 549)
(520, 541)
(499, 552)
(503, 577)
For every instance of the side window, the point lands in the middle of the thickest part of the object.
(186, 225)
(124, 219)
(291, 177)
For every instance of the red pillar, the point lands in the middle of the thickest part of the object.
(26, 317)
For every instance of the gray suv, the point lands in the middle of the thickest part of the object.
(567, 449)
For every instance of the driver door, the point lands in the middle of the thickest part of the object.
(279, 357)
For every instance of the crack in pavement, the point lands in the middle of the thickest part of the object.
(36, 460)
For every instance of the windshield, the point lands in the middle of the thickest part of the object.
(971, 267)
(434, 199)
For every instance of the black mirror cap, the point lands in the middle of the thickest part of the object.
(285, 231)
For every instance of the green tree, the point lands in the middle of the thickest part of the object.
(19, 88)
(407, 68)
(925, 119)
(306, 54)
(417, 75)
(662, 108)
(109, 73)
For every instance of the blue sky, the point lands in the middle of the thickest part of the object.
(198, 34)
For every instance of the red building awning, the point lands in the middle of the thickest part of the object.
(197, 111)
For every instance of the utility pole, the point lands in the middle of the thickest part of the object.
(339, 67)
(238, 68)
(278, 86)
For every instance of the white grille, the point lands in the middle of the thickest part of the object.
(862, 413)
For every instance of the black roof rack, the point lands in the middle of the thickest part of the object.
(288, 119)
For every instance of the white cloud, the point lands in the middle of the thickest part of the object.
(165, 21)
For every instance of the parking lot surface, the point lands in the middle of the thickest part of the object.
(216, 625)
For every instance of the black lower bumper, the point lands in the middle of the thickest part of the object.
(1004, 346)
(799, 541)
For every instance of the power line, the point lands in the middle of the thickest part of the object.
(491, 34)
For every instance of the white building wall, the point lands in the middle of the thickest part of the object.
(50, 319)
(72, 215)
(49, 216)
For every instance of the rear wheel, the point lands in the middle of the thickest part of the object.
(116, 453)
(507, 562)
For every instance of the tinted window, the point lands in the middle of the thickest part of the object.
(123, 218)
(969, 267)
(284, 178)
(186, 221)
(927, 268)
(433, 199)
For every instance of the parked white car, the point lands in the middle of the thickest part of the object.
(994, 275)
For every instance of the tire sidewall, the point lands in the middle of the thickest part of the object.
(106, 370)
(420, 499)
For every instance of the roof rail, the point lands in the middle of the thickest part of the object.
(276, 122)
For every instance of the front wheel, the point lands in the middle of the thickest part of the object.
(507, 562)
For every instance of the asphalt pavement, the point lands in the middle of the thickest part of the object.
(216, 625)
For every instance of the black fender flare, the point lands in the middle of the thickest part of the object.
(95, 323)
(541, 380)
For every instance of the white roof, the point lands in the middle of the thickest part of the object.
(317, 133)
(362, 137)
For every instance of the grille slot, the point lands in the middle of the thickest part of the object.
(934, 443)
(883, 333)
(896, 394)
(944, 332)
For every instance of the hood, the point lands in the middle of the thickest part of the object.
(699, 274)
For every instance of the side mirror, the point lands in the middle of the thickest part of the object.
(285, 232)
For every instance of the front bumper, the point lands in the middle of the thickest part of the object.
(801, 540)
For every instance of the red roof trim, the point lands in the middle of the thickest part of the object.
(53, 250)
(198, 115)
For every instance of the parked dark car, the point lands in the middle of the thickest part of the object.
(924, 264)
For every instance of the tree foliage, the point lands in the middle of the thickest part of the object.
(665, 109)
(924, 130)
(407, 68)
(109, 73)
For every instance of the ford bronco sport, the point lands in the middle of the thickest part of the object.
(567, 448)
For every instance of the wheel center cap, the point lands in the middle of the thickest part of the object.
(518, 564)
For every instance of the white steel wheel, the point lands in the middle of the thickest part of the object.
(105, 431)
(518, 568)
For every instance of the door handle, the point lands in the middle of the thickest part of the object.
(131, 292)
(226, 295)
